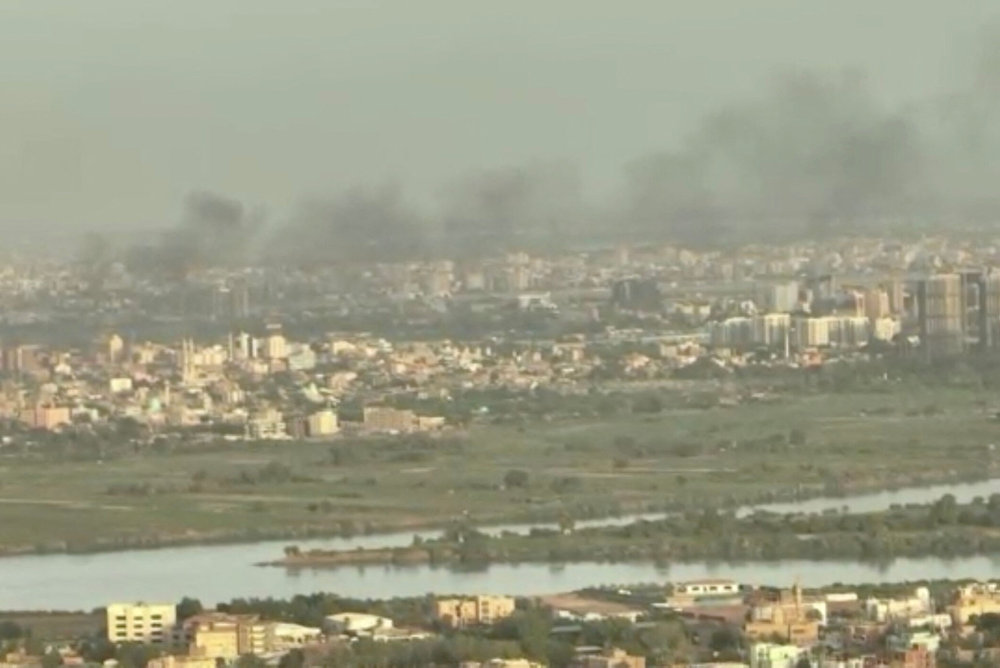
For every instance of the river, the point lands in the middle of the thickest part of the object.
(219, 572)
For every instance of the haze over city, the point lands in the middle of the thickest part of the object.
(499, 334)
(644, 116)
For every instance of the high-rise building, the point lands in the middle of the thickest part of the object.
(877, 304)
(732, 332)
(897, 296)
(781, 297)
(810, 332)
(941, 310)
(771, 330)
(990, 305)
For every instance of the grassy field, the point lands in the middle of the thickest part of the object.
(812, 443)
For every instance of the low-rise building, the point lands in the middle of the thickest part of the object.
(282, 636)
(140, 622)
(355, 622)
(975, 599)
(772, 655)
(473, 610)
(792, 617)
(323, 423)
(386, 419)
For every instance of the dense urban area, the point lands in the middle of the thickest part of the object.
(510, 334)
(636, 403)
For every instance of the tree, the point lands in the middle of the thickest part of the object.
(294, 659)
(515, 478)
(51, 659)
(188, 607)
(945, 510)
(250, 661)
(723, 639)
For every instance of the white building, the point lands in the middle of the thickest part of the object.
(771, 655)
(709, 587)
(356, 622)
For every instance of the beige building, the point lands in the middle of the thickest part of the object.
(473, 610)
(323, 423)
(48, 417)
(140, 622)
(385, 419)
(792, 617)
(222, 636)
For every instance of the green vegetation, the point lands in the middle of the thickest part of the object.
(943, 528)
(748, 443)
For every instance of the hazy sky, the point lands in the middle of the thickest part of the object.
(113, 110)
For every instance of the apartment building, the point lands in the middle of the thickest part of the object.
(140, 622)
(473, 610)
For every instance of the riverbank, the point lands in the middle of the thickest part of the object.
(519, 523)
(800, 446)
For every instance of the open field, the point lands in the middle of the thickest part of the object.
(809, 444)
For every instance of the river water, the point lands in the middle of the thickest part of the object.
(220, 572)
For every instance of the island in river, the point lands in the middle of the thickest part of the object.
(942, 528)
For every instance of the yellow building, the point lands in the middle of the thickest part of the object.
(140, 622)
(473, 610)
(978, 598)
(323, 423)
